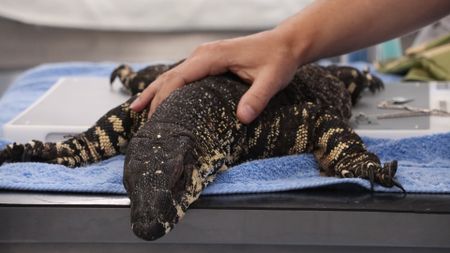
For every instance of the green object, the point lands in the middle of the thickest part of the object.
(426, 62)
(418, 74)
(428, 45)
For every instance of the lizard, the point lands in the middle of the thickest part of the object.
(194, 135)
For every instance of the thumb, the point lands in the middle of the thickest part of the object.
(256, 99)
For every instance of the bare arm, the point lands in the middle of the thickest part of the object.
(333, 27)
(268, 60)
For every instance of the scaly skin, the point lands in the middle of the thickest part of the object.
(195, 134)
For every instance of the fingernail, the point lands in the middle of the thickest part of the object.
(135, 103)
(248, 113)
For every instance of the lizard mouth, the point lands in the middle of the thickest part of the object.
(158, 186)
(148, 231)
(155, 211)
(152, 216)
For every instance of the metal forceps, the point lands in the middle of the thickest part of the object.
(407, 111)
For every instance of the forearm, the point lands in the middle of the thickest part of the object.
(333, 27)
(268, 60)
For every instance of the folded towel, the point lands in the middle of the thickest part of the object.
(424, 162)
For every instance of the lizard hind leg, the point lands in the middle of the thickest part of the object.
(372, 82)
(383, 175)
(356, 81)
(367, 165)
(340, 151)
(387, 173)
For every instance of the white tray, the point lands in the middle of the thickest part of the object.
(72, 105)
(432, 95)
(69, 107)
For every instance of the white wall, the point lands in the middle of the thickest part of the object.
(152, 15)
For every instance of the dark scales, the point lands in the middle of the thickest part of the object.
(194, 135)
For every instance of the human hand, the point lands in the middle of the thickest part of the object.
(263, 60)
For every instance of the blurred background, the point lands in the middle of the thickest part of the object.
(42, 31)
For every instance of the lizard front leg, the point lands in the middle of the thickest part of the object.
(108, 137)
(136, 82)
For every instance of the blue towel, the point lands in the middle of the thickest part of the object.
(424, 162)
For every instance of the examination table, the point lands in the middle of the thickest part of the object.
(335, 218)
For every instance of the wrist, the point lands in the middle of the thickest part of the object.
(299, 45)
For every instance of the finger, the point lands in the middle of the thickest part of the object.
(145, 97)
(199, 66)
(257, 97)
(190, 70)
(206, 60)
(169, 82)
(168, 79)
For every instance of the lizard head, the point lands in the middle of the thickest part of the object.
(162, 181)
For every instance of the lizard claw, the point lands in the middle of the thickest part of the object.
(2, 157)
(398, 185)
(114, 74)
(383, 175)
(120, 72)
(387, 176)
(373, 83)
